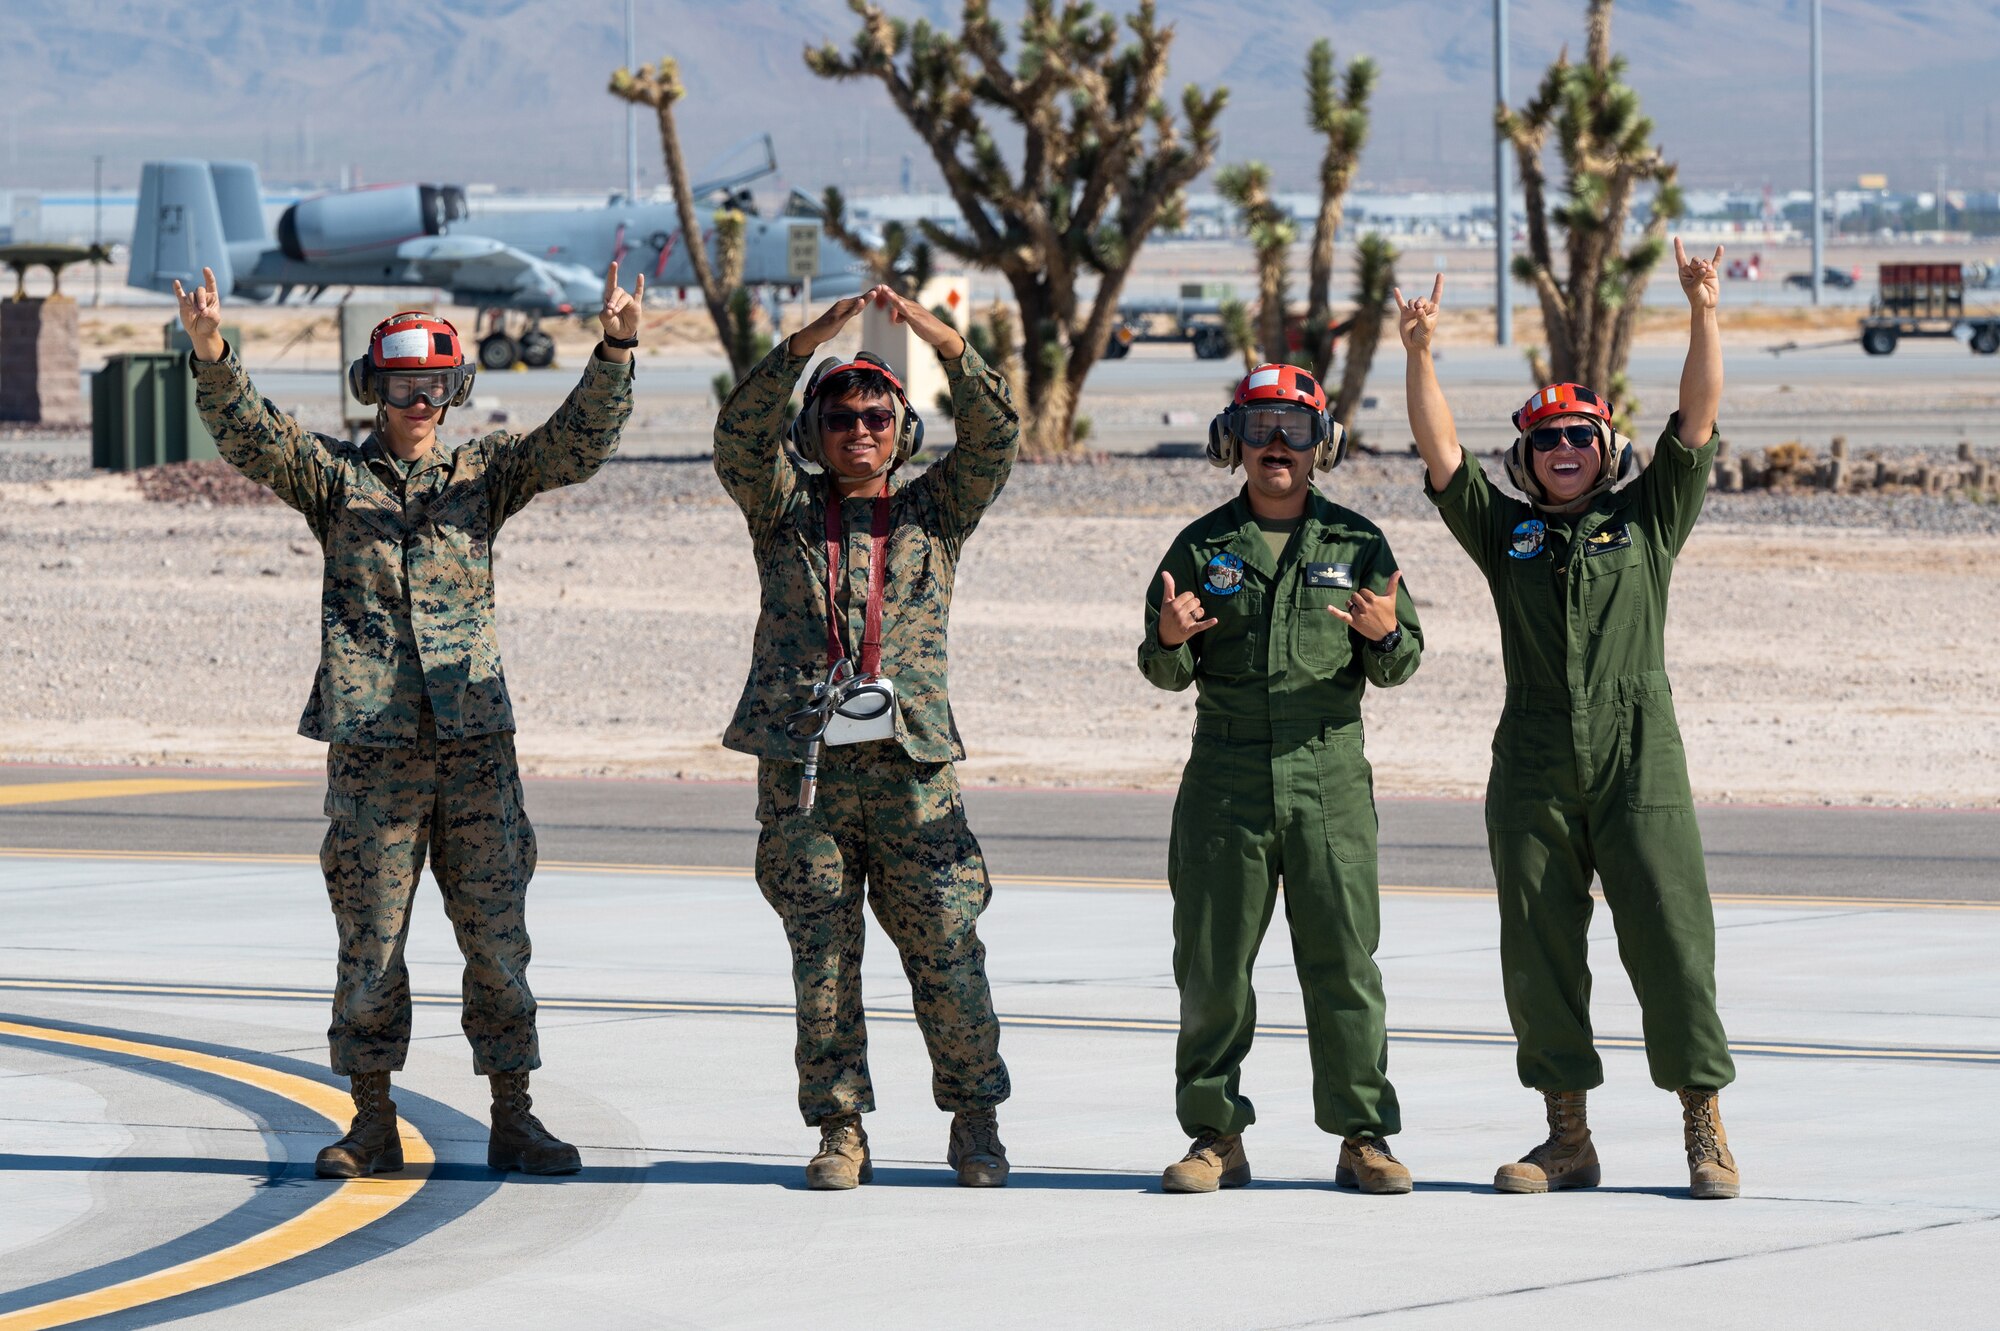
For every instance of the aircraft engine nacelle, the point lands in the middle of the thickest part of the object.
(357, 222)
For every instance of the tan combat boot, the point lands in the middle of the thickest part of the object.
(1567, 1159)
(1213, 1160)
(519, 1142)
(843, 1160)
(975, 1150)
(372, 1144)
(1711, 1168)
(1365, 1163)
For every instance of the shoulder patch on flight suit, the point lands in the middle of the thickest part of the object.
(1223, 576)
(1606, 539)
(1329, 575)
(1528, 539)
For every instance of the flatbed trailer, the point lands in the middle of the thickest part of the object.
(1925, 300)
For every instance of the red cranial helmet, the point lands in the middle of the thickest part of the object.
(1274, 397)
(1561, 400)
(414, 351)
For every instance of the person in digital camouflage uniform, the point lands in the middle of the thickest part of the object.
(1589, 775)
(1281, 608)
(888, 813)
(409, 695)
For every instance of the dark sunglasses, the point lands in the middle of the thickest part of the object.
(1299, 428)
(1577, 436)
(840, 420)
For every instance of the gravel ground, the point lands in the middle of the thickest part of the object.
(184, 633)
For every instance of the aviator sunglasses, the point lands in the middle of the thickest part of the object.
(839, 420)
(1579, 437)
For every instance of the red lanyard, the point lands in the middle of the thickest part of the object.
(871, 631)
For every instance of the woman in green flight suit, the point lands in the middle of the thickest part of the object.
(1589, 776)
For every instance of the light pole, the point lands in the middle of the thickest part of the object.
(633, 106)
(1503, 230)
(96, 229)
(1818, 171)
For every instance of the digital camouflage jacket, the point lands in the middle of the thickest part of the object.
(931, 516)
(406, 602)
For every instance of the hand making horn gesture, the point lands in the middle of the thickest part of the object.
(620, 315)
(922, 322)
(831, 320)
(1417, 319)
(1700, 278)
(1180, 616)
(201, 315)
(1372, 616)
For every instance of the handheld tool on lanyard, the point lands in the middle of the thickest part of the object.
(853, 703)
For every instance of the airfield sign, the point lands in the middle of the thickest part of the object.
(802, 249)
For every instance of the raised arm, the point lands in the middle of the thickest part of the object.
(1430, 418)
(1701, 376)
(750, 458)
(251, 434)
(583, 434)
(986, 425)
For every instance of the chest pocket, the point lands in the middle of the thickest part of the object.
(1324, 642)
(459, 517)
(1230, 649)
(1617, 578)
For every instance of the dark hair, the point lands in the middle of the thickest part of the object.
(846, 383)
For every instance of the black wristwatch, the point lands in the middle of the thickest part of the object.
(1388, 642)
(622, 343)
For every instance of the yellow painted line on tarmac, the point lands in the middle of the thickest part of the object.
(63, 792)
(1160, 1025)
(347, 1207)
(1077, 881)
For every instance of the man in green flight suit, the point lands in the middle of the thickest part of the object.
(1589, 776)
(1280, 607)
(409, 695)
(885, 812)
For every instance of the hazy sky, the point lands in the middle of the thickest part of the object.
(512, 91)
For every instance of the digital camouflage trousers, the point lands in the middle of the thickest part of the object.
(459, 802)
(892, 830)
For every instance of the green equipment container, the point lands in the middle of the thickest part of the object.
(142, 413)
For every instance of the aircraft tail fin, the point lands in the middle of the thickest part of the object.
(179, 227)
(239, 195)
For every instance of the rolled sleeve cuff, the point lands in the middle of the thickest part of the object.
(601, 373)
(215, 371)
(1671, 445)
(968, 364)
(1456, 489)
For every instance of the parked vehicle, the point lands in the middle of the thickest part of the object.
(1925, 300)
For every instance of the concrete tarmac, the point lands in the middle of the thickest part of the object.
(166, 951)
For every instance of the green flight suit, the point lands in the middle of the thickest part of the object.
(1589, 775)
(1276, 787)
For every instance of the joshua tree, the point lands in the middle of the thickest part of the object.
(1374, 279)
(1342, 119)
(1606, 153)
(1271, 234)
(721, 286)
(1103, 159)
(894, 263)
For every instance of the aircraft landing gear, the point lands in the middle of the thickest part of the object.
(538, 349)
(497, 351)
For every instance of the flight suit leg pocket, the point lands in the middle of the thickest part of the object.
(1656, 776)
(1347, 799)
(1200, 810)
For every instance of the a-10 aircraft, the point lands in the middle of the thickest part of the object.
(194, 214)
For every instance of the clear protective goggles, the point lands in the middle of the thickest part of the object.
(405, 388)
(1259, 424)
